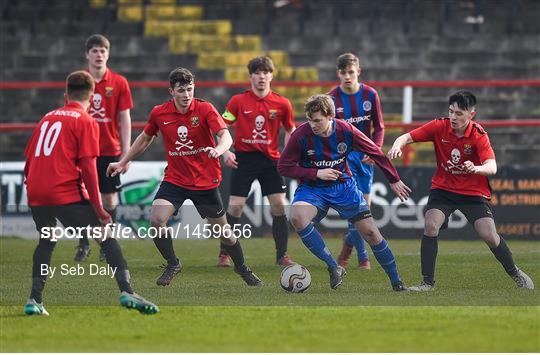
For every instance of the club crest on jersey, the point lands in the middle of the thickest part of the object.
(272, 113)
(467, 149)
(342, 147)
(367, 105)
(108, 91)
(194, 121)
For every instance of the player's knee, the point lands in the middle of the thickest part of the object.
(277, 210)
(371, 235)
(298, 221)
(157, 220)
(235, 210)
(432, 227)
(491, 239)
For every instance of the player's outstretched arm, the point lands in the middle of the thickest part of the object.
(401, 190)
(142, 142)
(399, 143)
(224, 143)
(489, 167)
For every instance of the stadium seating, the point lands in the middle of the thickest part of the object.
(216, 38)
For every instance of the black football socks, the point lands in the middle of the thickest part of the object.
(504, 255)
(164, 244)
(428, 256)
(232, 220)
(280, 233)
(115, 259)
(236, 254)
(42, 257)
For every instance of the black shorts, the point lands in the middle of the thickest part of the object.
(78, 214)
(473, 207)
(207, 202)
(256, 165)
(107, 184)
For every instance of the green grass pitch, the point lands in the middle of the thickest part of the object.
(475, 307)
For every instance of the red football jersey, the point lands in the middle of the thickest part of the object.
(61, 137)
(111, 95)
(185, 136)
(452, 151)
(257, 121)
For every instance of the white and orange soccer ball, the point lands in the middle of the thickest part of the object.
(295, 278)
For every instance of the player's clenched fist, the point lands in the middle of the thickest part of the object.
(401, 190)
(470, 167)
(328, 174)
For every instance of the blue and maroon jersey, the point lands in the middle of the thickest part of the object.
(362, 110)
(307, 152)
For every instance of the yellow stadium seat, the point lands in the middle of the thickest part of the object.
(130, 2)
(164, 2)
(236, 75)
(306, 74)
(130, 13)
(163, 28)
(173, 12)
(98, 3)
(223, 60)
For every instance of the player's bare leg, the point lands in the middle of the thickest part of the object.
(234, 250)
(162, 210)
(280, 230)
(354, 239)
(485, 227)
(381, 250)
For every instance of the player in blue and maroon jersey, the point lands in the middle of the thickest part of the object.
(317, 155)
(358, 104)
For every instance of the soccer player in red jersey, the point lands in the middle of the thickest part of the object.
(464, 160)
(317, 155)
(257, 115)
(62, 184)
(193, 172)
(358, 104)
(110, 107)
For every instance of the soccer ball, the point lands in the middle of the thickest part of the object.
(295, 278)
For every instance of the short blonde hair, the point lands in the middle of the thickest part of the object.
(320, 103)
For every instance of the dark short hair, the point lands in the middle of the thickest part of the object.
(79, 85)
(465, 100)
(320, 103)
(97, 40)
(181, 76)
(260, 64)
(347, 59)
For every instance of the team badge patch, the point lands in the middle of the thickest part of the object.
(272, 113)
(467, 149)
(108, 91)
(367, 105)
(194, 121)
(342, 147)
